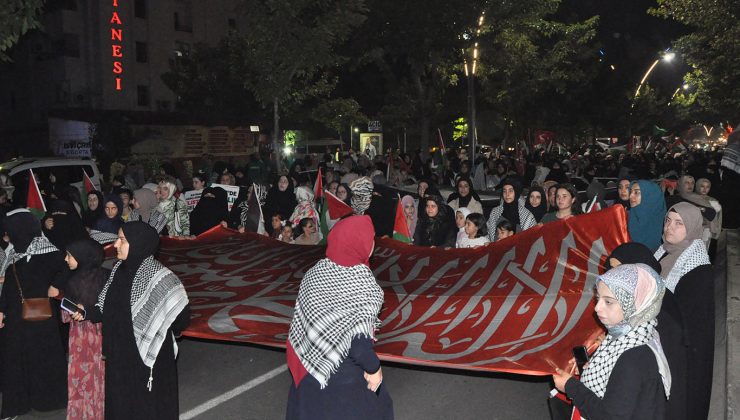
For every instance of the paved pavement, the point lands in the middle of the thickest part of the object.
(237, 381)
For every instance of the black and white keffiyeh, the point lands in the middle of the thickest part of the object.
(157, 298)
(526, 219)
(38, 246)
(693, 256)
(156, 219)
(334, 305)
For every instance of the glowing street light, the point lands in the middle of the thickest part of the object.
(667, 57)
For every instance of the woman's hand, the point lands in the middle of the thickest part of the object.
(52, 292)
(242, 229)
(77, 316)
(49, 223)
(224, 224)
(560, 377)
(2, 319)
(374, 379)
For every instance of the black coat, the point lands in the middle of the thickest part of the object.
(345, 396)
(695, 297)
(674, 341)
(634, 392)
(34, 366)
(437, 231)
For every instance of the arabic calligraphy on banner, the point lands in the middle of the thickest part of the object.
(516, 305)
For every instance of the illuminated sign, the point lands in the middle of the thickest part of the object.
(116, 36)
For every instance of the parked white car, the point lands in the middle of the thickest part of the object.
(14, 174)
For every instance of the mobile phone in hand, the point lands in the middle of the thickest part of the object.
(72, 307)
(580, 353)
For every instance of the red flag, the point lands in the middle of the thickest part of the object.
(400, 227)
(318, 186)
(34, 201)
(89, 186)
(335, 207)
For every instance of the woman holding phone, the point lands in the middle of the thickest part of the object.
(628, 376)
(86, 369)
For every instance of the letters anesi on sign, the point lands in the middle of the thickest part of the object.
(116, 36)
(516, 305)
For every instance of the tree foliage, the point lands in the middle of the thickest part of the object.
(16, 18)
(339, 114)
(712, 48)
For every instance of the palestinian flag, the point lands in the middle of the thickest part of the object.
(34, 201)
(87, 188)
(400, 228)
(318, 186)
(332, 210)
(255, 221)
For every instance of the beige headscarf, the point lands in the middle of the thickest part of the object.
(692, 220)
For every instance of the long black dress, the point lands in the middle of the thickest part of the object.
(34, 365)
(673, 339)
(695, 296)
(126, 376)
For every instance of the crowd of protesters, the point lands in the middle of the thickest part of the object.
(676, 206)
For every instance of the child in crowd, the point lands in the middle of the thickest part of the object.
(460, 219)
(476, 232)
(277, 225)
(504, 229)
(286, 233)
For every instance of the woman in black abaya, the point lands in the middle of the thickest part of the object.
(212, 209)
(33, 363)
(142, 306)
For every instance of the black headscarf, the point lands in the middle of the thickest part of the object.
(22, 227)
(88, 279)
(280, 202)
(90, 217)
(463, 201)
(511, 210)
(634, 253)
(143, 242)
(67, 224)
(107, 224)
(210, 211)
(439, 230)
(539, 211)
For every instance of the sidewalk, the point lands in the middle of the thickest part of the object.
(728, 326)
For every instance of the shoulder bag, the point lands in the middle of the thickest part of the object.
(34, 309)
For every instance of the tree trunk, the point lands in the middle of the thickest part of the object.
(424, 125)
(276, 134)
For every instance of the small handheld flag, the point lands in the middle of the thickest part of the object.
(400, 227)
(34, 201)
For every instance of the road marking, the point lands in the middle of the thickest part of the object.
(233, 393)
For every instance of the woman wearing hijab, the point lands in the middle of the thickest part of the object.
(647, 210)
(305, 207)
(511, 209)
(686, 186)
(281, 198)
(62, 225)
(670, 326)
(628, 376)
(409, 211)
(145, 209)
(688, 274)
(211, 210)
(174, 209)
(465, 196)
(713, 228)
(33, 362)
(86, 377)
(336, 373)
(94, 209)
(537, 203)
(142, 306)
(111, 220)
(438, 227)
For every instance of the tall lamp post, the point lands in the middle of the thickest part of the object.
(470, 69)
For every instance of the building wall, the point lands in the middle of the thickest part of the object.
(70, 63)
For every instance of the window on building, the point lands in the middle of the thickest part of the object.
(184, 16)
(142, 55)
(140, 9)
(232, 24)
(70, 45)
(142, 95)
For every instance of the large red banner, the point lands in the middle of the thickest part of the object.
(518, 305)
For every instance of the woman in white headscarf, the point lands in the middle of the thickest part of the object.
(305, 207)
(628, 376)
(688, 274)
(174, 209)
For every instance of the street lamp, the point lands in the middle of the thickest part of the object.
(667, 57)
(470, 70)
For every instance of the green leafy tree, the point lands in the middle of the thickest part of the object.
(16, 18)
(712, 48)
(339, 114)
(289, 46)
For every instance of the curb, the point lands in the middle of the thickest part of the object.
(733, 323)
